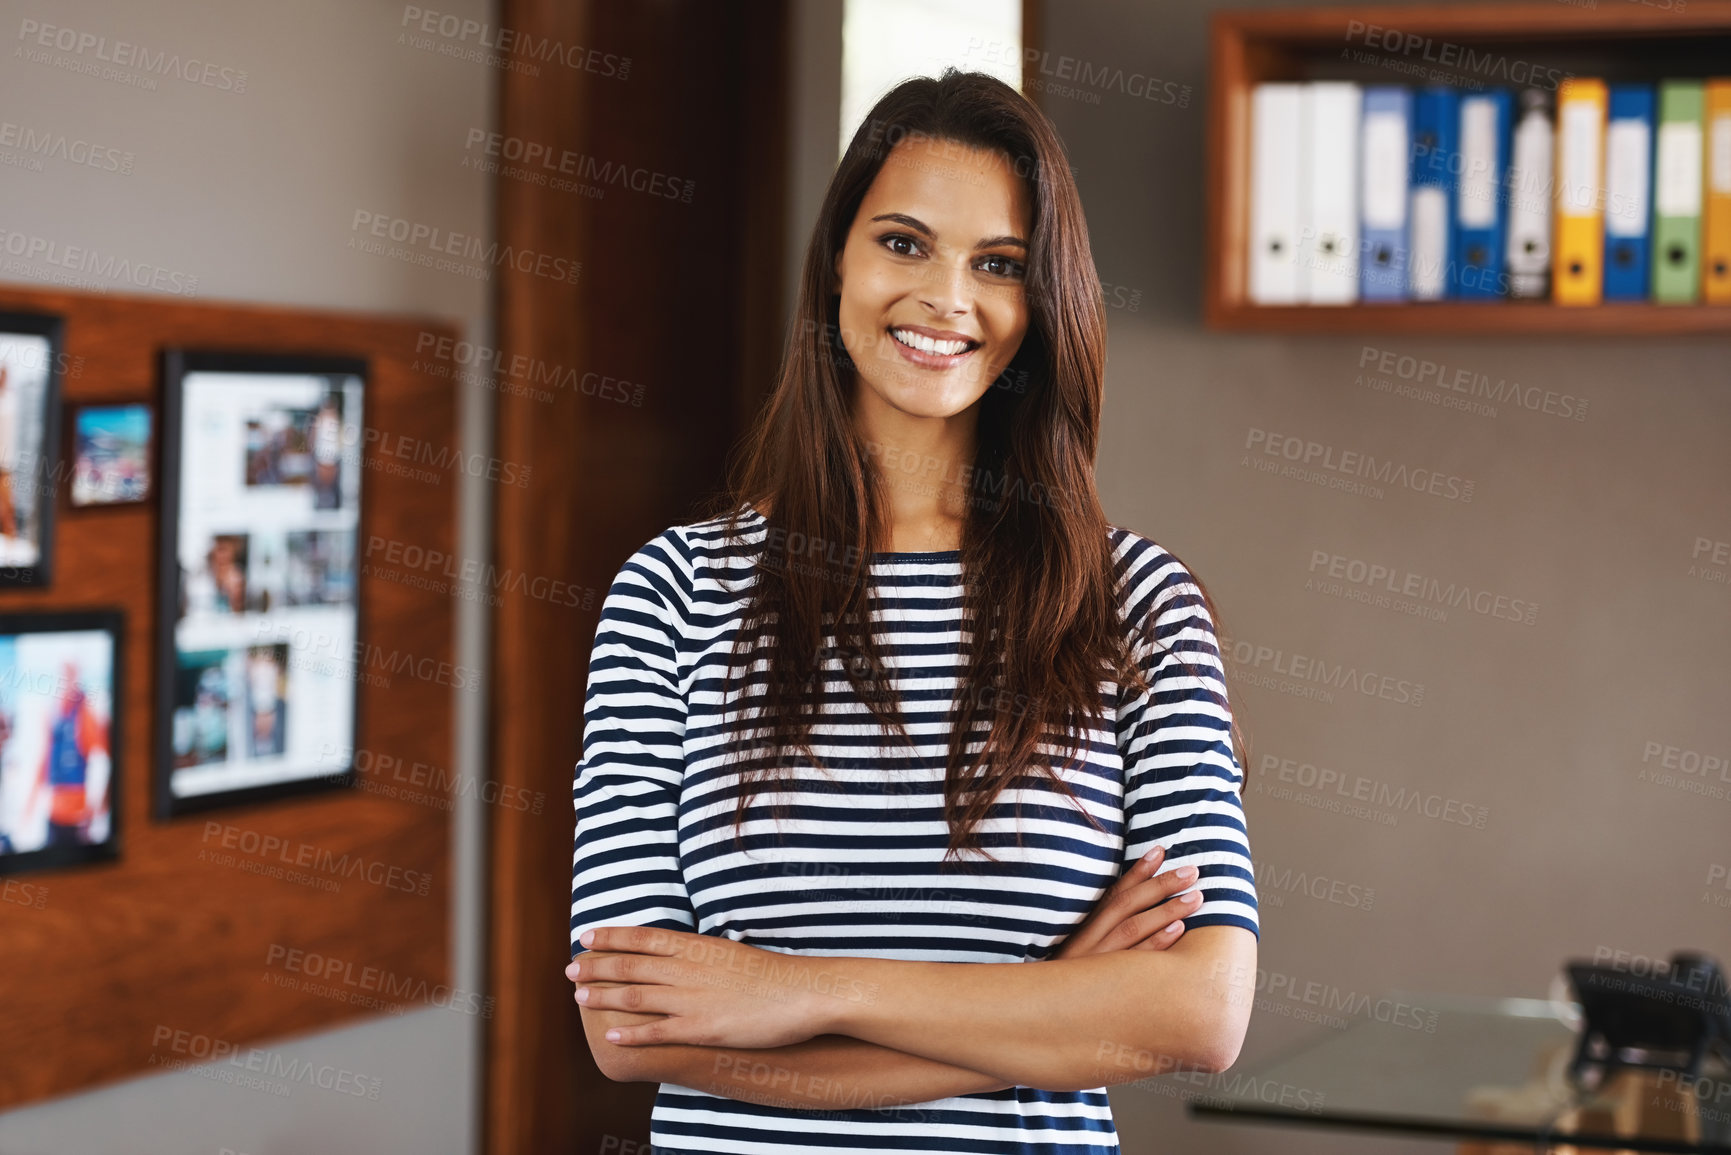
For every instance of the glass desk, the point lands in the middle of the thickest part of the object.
(1492, 1074)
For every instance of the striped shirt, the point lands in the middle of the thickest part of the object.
(856, 868)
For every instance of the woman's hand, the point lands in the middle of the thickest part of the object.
(1131, 916)
(711, 991)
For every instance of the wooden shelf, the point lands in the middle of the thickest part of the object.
(1476, 318)
(1617, 39)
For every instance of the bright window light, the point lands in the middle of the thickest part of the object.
(883, 42)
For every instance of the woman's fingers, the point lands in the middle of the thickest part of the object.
(1151, 921)
(643, 1000)
(592, 966)
(1151, 925)
(1139, 871)
(1144, 894)
(1154, 891)
(1163, 938)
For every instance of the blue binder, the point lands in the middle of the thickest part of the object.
(1435, 163)
(1629, 129)
(1385, 149)
(1481, 195)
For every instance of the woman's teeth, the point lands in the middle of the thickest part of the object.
(929, 345)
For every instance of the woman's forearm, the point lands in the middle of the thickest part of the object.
(828, 1073)
(1067, 1024)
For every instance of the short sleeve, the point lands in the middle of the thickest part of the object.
(625, 863)
(1183, 786)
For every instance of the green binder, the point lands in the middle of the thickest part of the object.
(1677, 193)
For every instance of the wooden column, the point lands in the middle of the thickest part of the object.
(654, 358)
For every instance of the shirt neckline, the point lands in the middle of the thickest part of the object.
(905, 556)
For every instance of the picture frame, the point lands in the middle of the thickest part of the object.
(60, 737)
(32, 364)
(111, 453)
(258, 608)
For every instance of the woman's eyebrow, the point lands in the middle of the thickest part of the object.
(920, 226)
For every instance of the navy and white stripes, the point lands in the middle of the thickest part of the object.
(854, 866)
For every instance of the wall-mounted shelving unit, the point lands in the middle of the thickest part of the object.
(1525, 43)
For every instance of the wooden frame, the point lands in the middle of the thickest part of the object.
(44, 474)
(69, 451)
(1306, 43)
(176, 364)
(118, 951)
(113, 623)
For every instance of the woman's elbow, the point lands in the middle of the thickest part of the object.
(1222, 1051)
(622, 1064)
(619, 1064)
(1225, 993)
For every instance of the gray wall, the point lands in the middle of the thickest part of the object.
(1541, 727)
(253, 192)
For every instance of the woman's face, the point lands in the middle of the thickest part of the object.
(935, 257)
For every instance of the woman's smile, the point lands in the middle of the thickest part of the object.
(932, 348)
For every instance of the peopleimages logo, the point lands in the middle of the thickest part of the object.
(522, 46)
(59, 146)
(428, 245)
(1421, 371)
(1304, 676)
(1356, 796)
(1348, 469)
(1411, 593)
(1455, 59)
(29, 247)
(124, 54)
(304, 854)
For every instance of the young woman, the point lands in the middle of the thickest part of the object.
(880, 758)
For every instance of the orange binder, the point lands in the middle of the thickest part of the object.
(1578, 271)
(1716, 208)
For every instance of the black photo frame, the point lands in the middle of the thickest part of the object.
(38, 739)
(76, 416)
(236, 607)
(32, 353)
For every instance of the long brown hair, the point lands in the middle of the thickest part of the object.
(1037, 565)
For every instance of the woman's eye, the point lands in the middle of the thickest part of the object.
(896, 238)
(1006, 266)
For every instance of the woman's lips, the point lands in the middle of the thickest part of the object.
(927, 360)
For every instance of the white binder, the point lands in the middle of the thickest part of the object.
(1328, 231)
(1430, 239)
(1530, 196)
(1279, 188)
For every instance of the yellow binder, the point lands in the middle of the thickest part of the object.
(1578, 270)
(1716, 210)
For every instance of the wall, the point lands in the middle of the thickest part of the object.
(252, 186)
(1539, 729)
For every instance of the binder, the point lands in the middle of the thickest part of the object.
(1480, 201)
(1328, 232)
(1578, 272)
(1384, 149)
(1530, 195)
(1278, 190)
(1435, 161)
(1628, 191)
(1716, 217)
(1677, 193)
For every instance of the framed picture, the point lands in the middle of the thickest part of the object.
(112, 461)
(259, 612)
(31, 360)
(59, 737)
